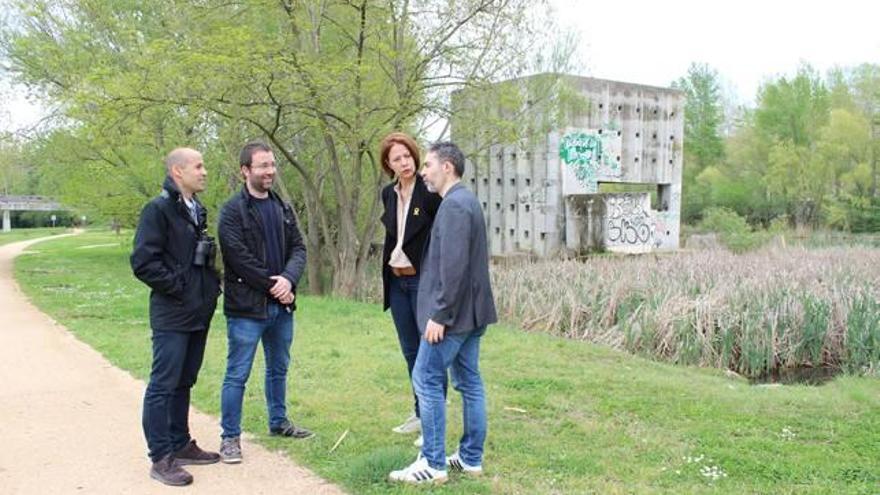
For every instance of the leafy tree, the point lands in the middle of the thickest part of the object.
(703, 146)
(16, 174)
(793, 110)
(321, 81)
(703, 117)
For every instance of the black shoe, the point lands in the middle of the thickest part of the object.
(288, 429)
(169, 472)
(192, 454)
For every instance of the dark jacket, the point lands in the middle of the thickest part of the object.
(183, 296)
(422, 209)
(455, 290)
(246, 274)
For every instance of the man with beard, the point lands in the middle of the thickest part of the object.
(455, 305)
(264, 257)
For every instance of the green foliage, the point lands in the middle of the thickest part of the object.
(14, 170)
(320, 81)
(809, 151)
(704, 115)
(704, 146)
(733, 230)
(793, 110)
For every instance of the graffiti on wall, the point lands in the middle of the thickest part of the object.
(629, 220)
(591, 155)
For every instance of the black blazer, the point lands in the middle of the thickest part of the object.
(422, 209)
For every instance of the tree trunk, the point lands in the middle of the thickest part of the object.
(346, 273)
(313, 248)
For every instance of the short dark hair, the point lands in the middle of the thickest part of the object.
(245, 158)
(447, 151)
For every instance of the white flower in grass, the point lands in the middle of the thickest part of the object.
(713, 473)
(787, 434)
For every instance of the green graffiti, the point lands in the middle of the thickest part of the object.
(583, 153)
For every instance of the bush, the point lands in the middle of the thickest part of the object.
(732, 229)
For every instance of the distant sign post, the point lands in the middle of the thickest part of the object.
(53, 217)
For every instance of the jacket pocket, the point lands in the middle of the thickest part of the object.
(239, 296)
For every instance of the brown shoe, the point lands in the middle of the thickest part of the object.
(192, 454)
(169, 472)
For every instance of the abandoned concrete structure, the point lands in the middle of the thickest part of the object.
(546, 200)
(9, 204)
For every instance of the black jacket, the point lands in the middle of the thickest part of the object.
(422, 209)
(183, 296)
(246, 277)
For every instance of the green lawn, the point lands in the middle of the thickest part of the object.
(23, 234)
(564, 416)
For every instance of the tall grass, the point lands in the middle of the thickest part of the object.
(752, 312)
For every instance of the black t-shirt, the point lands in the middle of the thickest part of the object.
(272, 234)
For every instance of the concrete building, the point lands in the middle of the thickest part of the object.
(546, 200)
(9, 204)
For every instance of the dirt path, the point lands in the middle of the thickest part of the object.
(70, 421)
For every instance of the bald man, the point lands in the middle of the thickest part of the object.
(174, 256)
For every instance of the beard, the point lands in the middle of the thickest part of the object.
(257, 184)
(430, 187)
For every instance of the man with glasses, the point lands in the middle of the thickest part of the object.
(264, 257)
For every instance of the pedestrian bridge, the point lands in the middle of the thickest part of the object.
(25, 203)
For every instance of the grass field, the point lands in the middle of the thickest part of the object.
(564, 416)
(23, 234)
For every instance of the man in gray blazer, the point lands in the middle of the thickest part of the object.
(455, 305)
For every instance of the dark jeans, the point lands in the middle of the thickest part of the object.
(177, 357)
(403, 293)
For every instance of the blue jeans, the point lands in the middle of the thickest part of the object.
(177, 357)
(244, 334)
(403, 294)
(461, 353)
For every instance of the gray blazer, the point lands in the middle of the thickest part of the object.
(454, 288)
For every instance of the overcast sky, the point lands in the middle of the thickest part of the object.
(653, 42)
(747, 41)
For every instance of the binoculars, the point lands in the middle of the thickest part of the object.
(206, 252)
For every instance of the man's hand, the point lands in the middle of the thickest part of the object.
(287, 299)
(282, 287)
(434, 332)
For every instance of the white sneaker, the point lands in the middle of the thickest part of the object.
(419, 441)
(454, 463)
(419, 472)
(412, 425)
